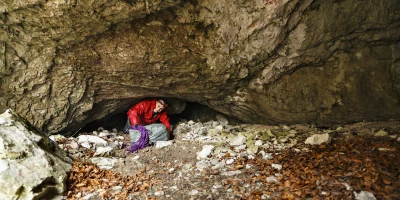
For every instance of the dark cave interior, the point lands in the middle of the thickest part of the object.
(193, 111)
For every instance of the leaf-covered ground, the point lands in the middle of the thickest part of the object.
(348, 164)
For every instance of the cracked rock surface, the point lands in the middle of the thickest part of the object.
(67, 63)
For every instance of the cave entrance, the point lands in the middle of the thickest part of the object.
(193, 111)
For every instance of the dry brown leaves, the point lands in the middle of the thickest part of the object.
(324, 172)
(86, 178)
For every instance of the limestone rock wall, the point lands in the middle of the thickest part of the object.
(66, 63)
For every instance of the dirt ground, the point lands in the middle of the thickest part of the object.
(354, 161)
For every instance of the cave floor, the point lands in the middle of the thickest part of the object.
(355, 164)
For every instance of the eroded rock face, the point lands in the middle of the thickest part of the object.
(30, 166)
(63, 64)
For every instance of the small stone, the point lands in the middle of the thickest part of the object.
(272, 179)
(207, 149)
(251, 150)
(159, 193)
(277, 166)
(117, 188)
(386, 149)
(162, 144)
(364, 195)
(283, 140)
(231, 173)
(381, 133)
(74, 145)
(103, 151)
(193, 192)
(258, 143)
(265, 137)
(318, 139)
(285, 128)
(230, 161)
(191, 122)
(266, 155)
(237, 141)
(217, 186)
(171, 170)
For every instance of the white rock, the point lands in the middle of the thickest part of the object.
(217, 186)
(193, 192)
(271, 179)
(159, 193)
(56, 138)
(104, 163)
(398, 139)
(103, 151)
(174, 187)
(239, 148)
(171, 170)
(117, 188)
(258, 143)
(92, 139)
(73, 145)
(277, 166)
(191, 122)
(318, 139)
(86, 145)
(104, 134)
(265, 155)
(283, 140)
(91, 196)
(24, 165)
(230, 161)
(231, 173)
(237, 141)
(364, 195)
(207, 149)
(162, 144)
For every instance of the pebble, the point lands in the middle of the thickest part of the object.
(162, 144)
(272, 179)
(277, 166)
(193, 192)
(159, 193)
(381, 133)
(207, 149)
(230, 161)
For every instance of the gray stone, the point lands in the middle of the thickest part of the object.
(205, 152)
(318, 139)
(26, 163)
(162, 144)
(381, 133)
(364, 195)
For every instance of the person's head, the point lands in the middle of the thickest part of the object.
(160, 105)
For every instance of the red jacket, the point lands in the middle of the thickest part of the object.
(141, 113)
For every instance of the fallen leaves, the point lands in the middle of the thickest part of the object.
(86, 178)
(328, 170)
